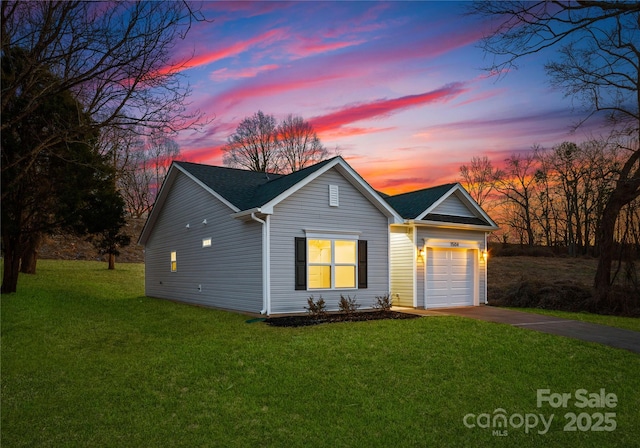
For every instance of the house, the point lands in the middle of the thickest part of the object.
(257, 242)
(438, 254)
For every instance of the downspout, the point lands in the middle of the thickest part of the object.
(266, 268)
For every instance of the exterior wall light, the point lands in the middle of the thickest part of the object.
(204, 222)
(485, 255)
(187, 226)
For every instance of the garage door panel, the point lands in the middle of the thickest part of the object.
(450, 277)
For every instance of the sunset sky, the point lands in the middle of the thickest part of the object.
(396, 86)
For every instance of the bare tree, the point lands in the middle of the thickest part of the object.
(479, 178)
(517, 186)
(598, 63)
(114, 59)
(141, 163)
(260, 144)
(254, 144)
(547, 218)
(299, 145)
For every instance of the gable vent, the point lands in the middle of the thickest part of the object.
(334, 197)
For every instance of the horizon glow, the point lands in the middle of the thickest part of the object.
(395, 86)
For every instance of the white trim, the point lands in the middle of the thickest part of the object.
(451, 244)
(266, 265)
(250, 212)
(468, 202)
(486, 263)
(414, 240)
(354, 178)
(203, 185)
(332, 234)
(452, 225)
(436, 203)
(333, 264)
(164, 192)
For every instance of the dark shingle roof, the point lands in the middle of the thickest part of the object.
(246, 189)
(410, 205)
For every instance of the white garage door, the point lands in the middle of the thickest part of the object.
(449, 277)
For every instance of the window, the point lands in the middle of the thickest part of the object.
(206, 242)
(323, 262)
(332, 264)
(174, 262)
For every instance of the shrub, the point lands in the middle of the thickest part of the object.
(559, 295)
(383, 303)
(348, 305)
(317, 309)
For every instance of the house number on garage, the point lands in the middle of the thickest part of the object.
(455, 244)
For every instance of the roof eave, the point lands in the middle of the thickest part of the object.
(353, 177)
(451, 225)
(246, 213)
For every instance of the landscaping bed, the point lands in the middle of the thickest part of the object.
(306, 320)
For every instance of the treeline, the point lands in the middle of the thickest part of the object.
(556, 197)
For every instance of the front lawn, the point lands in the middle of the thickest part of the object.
(87, 360)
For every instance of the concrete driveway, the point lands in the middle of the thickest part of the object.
(603, 334)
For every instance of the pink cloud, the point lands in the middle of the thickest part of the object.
(305, 47)
(225, 74)
(212, 155)
(349, 132)
(226, 51)
(268, 87)
(384, 107)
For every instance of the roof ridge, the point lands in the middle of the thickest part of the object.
(450, 185)
(243, 170)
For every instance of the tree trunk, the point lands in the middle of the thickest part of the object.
(112, 261)
(30, 256)
(606, 231)
(11, 266)
(626, 190)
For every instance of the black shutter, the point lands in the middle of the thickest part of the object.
(301, 263)
(362, 264)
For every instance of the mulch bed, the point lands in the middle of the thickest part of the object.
(306, 320)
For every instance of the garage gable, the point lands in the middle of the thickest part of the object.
(448, 204)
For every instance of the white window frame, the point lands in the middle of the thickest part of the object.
(174, 261)
(333, 237)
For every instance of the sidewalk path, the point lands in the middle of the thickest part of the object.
(586, 331)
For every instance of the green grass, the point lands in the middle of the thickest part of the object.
(87, 360)
(629, 323)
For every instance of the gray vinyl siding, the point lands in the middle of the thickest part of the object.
(402, 266)
(452, 206)
(308, 208)
(453, 235)
(229, 272)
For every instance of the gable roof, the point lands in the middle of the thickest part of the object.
(246, 192)
(242, 188)
(412, 204)
(420, 205)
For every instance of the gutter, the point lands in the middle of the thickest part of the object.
(266, 268)
(450, 225)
